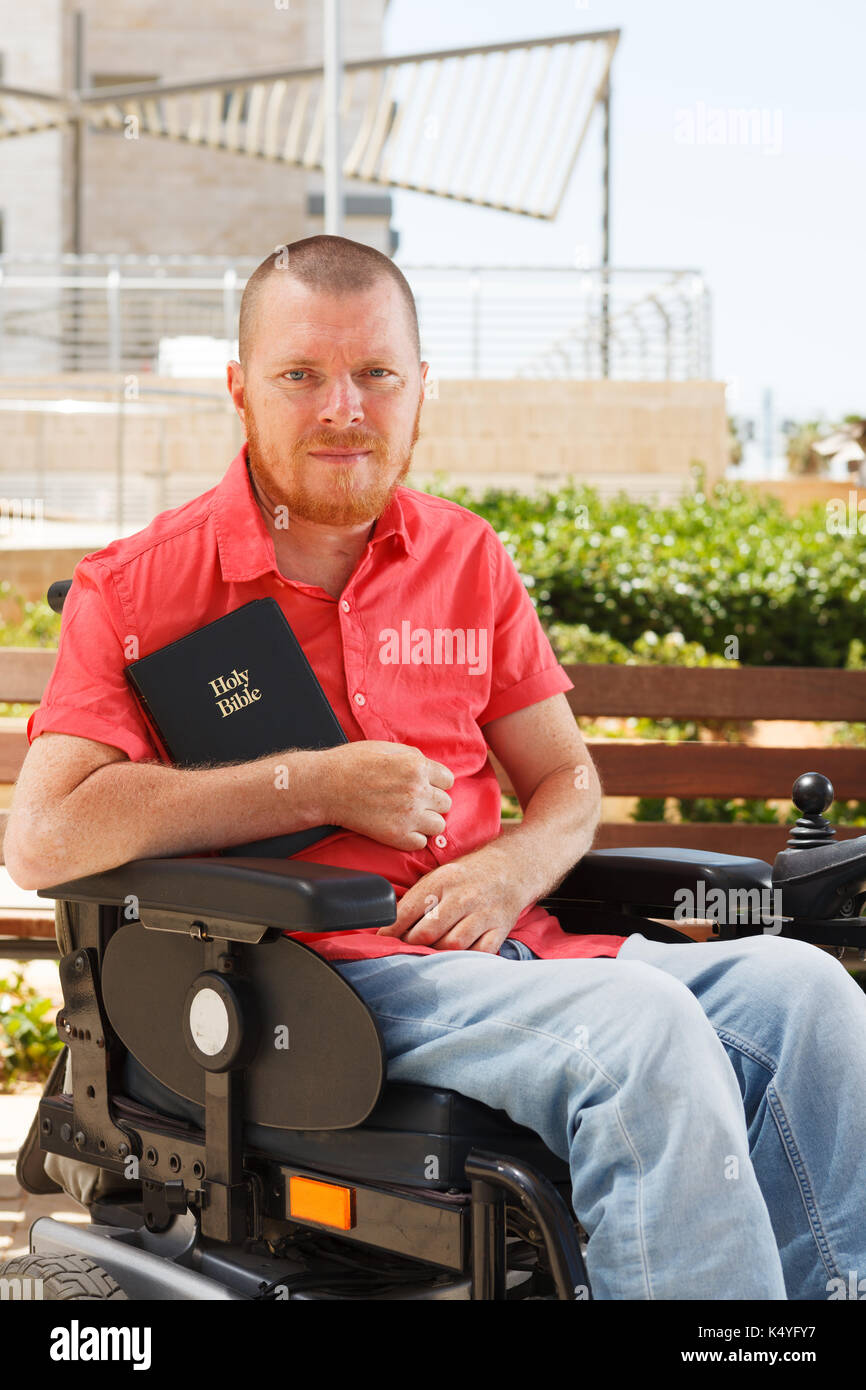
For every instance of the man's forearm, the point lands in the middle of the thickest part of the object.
(557, 829)
(125, 811)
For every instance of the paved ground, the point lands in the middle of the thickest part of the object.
(19, 1209)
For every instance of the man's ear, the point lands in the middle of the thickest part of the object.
(235, 385)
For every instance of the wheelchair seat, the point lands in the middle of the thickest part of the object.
(412, 1130)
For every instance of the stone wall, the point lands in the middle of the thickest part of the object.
(638, 437)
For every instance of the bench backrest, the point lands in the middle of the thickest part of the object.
(636, 767)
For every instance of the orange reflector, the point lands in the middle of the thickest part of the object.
(322, 1201)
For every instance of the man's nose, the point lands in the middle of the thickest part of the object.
(343, 404)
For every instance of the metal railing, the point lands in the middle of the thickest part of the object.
(177, 316)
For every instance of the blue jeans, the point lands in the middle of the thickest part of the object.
(708, 1097)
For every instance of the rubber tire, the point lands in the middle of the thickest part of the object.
(66, 1277)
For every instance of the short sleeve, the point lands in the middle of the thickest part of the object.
(88, 694)
(523, 663)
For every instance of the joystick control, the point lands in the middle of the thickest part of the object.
(812, 794)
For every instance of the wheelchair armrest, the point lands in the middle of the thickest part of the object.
(654, 874)
(286, 894)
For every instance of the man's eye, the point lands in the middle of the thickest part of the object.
(295, 373)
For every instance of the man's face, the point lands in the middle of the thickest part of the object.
(330, 373)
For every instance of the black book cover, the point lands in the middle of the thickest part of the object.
(233, 691)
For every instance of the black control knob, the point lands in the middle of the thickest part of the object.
(812, 794)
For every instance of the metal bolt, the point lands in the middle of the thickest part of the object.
(80, 1139)
(66, 1133)
(123, 1150)
(79, 963)
(226, 964)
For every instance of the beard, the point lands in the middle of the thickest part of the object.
(347, 501)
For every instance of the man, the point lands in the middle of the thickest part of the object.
(702, 1094)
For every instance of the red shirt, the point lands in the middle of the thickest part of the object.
(433, 574)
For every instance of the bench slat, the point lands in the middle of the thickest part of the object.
(747, 692)
(25, 672)
(26, 925)
(652, 767)
(753, 841)
(13, 747)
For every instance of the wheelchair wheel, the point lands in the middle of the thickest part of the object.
(63, 1278)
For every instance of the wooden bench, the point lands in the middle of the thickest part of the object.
(657, 768)
(627, 767)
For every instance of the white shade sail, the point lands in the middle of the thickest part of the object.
(499, 126)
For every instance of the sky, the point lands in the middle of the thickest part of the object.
(777, 227)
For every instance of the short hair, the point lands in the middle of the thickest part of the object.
(332, 264)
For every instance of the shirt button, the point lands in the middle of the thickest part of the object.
(440, 841)
(345, 605)
(359, 699)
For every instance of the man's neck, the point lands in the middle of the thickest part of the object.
(313, 552)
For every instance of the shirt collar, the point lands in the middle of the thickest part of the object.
(246, 547)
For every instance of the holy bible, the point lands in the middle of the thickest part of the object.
(233, 691)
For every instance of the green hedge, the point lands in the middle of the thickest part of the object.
(711, 566)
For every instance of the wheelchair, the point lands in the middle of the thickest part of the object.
(225, 1088)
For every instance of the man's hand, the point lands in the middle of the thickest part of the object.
(388, 791)
(470, 904)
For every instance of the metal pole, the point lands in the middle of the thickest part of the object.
(80, 78)
(112, 292)
(605, 236)
(331, 94)
(768, 441)
(162, 503)
(120, 461)
(73, 239)
(230, 283)
(475, 284)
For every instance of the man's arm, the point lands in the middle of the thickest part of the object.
(557, 785)
(81, 806)
(479, 898)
